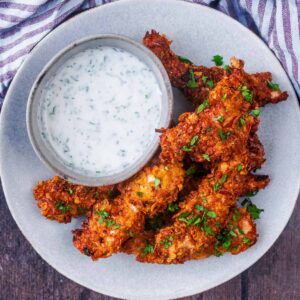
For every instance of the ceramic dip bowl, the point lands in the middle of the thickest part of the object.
(93, 110)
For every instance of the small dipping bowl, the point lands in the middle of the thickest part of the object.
(42, 144)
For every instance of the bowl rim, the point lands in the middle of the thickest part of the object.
(57, 166)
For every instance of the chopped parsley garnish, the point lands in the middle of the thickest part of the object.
(218, 59)
(192, 83)
(111, 193)
(224, 97)
(253, 210)
(239, 167)
(147, 249)
(241, 121)
(220, 119)
(130, 233)
(117, 226)
(185, 60)
(223, 135)
(204, 78)
(202, 106)
(194, 140)
(63, 207)
(255, 113)
(80, 211)
(199, 207)
(247, 94)
(210, 83)
(167, 242)
(96, 194)
(252, 194)
(70, 191)
(217, 186)
(246, 241)
(156, 182)
(172, 207)
(207, 230)
(208, 129)
(226, 67)
(273, 86)
(103, 215)
(205, 156)
(140, 194)
(224, 178)
(110, 222)
(190, 171)
(211, 214)
(186, 149)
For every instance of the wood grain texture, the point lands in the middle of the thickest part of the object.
(25, 276)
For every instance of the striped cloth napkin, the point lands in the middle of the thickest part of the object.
(23, 23)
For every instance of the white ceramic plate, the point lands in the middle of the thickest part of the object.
(198, 33)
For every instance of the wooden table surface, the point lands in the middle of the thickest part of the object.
(24, 275)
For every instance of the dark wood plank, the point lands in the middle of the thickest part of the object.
(24, 275)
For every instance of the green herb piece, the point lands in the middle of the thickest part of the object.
(226, 244)
(167, 242)
(63, 207)
(70, 191)
(253, 210)
(148, 249)
(208, 129)
(186, 149)
(80, 211)
(190, 171)
(246, 241)
(194, 140)
(116, 226)
(204, 199)
(210, 83)
(224, 178)
(239, 167)
(218, 253)
(205, 156)
(224, 97)
(192, 83)
(183, 217)
(220, 119)
(110, 222)
(232, 233)
(252, 194)
(217, 186)
(242, 121)
(172, 207)
(204, 78)
(218, 59)
(255, 113)
(247, 94)
(111, 194)
(226, 67)
(139, 194)
(96, 195)
(185, 60)
(207, 230)
(211, 214)
(273, 86)
(156, 182)
(202, 106)
(223, 135)
(103, 215)
(199, 207)
(130, 233)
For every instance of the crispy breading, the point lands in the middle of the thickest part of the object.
(60, 200)
(110, 224)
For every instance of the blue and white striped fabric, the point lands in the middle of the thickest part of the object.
(23, 23)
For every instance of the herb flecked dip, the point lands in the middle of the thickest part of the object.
(100, 110)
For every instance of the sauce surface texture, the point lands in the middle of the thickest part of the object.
(100, 110)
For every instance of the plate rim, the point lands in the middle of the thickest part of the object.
(60, 27)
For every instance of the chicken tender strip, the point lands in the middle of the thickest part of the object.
(218, 126)
(111, 223)
(196, 81)
(238, 235)
(205, 212)
(60, 200)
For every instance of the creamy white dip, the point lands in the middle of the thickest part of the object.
(100, 110)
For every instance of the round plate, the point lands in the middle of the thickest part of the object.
(198, 33)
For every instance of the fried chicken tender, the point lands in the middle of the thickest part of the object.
(237, 236)
(111, 223)
(180, 69)
(60, 200)
(220, 124)
(205, 212)
(196, 81)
